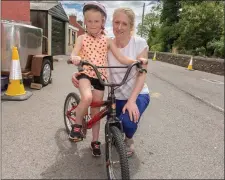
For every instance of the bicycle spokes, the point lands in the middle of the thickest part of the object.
(71, 113)
(114, 162)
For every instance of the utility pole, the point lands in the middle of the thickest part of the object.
(142, 19)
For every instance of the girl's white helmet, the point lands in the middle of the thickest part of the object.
(95, 4)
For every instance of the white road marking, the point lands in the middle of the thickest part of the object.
(155, 95)
(213, 81)
(209, 103)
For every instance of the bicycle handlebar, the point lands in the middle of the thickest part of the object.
(95, 68)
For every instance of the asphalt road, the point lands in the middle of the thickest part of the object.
(181, 135)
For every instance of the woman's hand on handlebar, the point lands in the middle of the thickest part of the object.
(75, 60)
(75, 80)
(143, 60)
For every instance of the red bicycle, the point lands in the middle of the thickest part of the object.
(114, 140)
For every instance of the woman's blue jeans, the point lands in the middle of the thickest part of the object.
(130, 127)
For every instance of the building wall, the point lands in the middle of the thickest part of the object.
(16, 10)
(75, 30)
(72, 36)
(73, 21)
(66, 37)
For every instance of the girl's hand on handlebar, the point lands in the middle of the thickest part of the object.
(75, 60)
(143, 60)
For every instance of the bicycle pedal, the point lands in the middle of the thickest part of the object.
(77, 140)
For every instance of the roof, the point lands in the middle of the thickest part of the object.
(73, 27)
(44, 6)
(79, 26)
(54, 8)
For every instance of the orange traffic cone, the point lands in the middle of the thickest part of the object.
(15, 90)
(190, 68)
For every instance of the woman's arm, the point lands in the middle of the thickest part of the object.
(131, 103)
(140, 78)
(118, 55)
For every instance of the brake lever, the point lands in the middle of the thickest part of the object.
(140, 68)
(139, 64)
(80, 68)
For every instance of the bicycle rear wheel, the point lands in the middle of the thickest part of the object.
(71, 101)
(116, 156)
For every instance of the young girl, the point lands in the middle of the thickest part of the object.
(92, 46)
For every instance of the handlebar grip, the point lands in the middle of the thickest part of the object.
(79, 67)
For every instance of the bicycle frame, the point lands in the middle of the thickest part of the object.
(97, 117)
(110, 103)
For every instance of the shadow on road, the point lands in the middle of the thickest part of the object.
(74, 161)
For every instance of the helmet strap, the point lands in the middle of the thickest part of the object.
(96, 34)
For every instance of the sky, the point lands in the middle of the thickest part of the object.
(75, 7)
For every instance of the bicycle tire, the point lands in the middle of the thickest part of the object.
(121, 150)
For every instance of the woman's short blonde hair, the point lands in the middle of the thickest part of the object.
(130, 14)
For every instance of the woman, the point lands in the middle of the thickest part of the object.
(133, 97)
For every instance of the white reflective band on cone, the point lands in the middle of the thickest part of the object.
(15, 72)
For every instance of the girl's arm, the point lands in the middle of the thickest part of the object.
(131, 105)
(77, 47)
(118, 55)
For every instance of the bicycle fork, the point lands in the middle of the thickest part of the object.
(110, 123)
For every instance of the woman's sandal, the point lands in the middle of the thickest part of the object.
(130, 146)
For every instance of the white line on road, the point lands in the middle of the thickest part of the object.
(209, 103)
(195, 96)
(155, 95)
(213, 81)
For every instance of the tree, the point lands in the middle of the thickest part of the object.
(169, 18)
(151, 26)
(193, 27)
(200, 24)
(151, 20)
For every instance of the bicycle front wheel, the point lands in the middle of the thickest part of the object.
(116, 156)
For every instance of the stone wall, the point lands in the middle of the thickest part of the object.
(211, 65)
